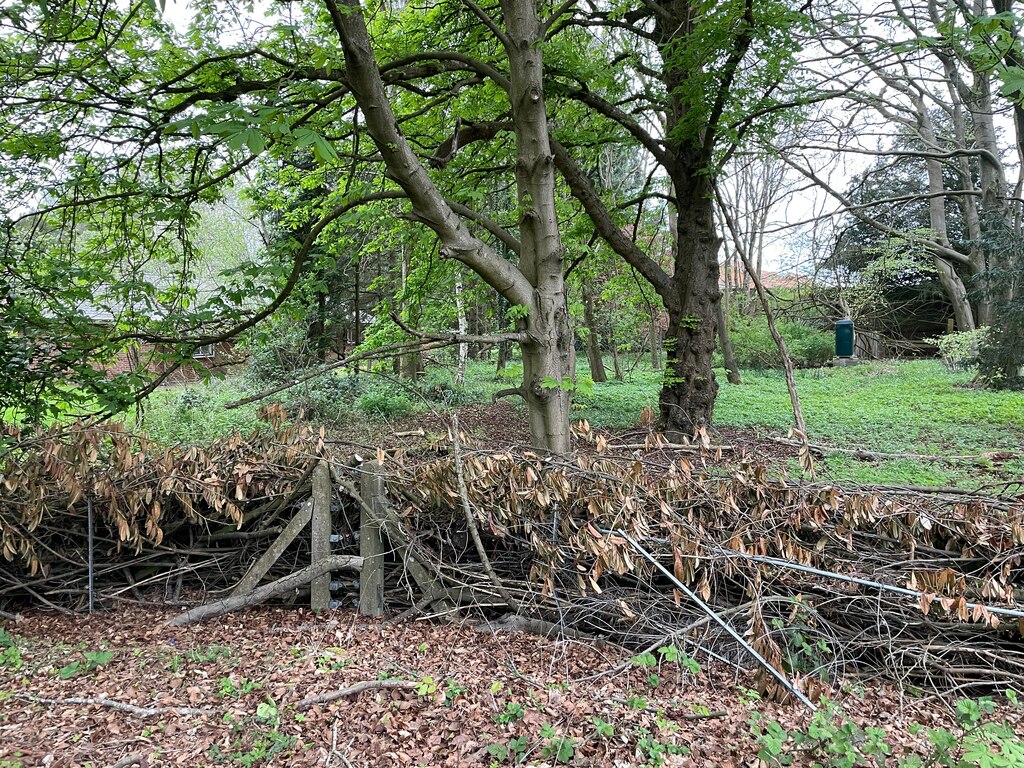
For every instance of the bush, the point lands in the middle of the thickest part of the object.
(329, 398)
(278, 352)
(195, 414)
(438, 386)
(755, 347)
(959, 351)
(386, 402)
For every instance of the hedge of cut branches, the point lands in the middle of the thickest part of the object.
(823, 581)
(817, 577)
(184, 517)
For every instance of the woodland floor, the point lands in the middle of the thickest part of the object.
(246, 673)
(469, 695)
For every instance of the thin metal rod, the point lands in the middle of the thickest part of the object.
(863, 582)
(88, 507)
(779, 563)
(722, 623)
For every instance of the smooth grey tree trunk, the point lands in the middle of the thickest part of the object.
(536, 282)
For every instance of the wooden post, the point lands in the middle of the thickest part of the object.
(371, 545)
(259, 569)
(320, 587)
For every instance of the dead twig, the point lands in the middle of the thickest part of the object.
(128, 761)
(355, 690)
(474, 530)
(120, 706)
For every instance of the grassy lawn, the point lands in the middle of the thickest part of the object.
(905, 407)
(909, 407)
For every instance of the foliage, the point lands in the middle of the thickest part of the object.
(90, 661)
(195, 414)
(1001, 357)
(386, 402)
(331, 398)
(10, 653)
(833, 740)
(755, 348)
(280, 350)
(961, 350)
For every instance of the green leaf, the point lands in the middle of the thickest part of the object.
(323, 150)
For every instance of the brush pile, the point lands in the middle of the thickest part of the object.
(823, 582)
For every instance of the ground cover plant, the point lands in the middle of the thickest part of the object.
(918, 408)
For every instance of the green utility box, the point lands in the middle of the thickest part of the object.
(844, 338)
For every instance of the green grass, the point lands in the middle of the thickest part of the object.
(910, 407)
(907, 407)
(195, 414)
(904, 407)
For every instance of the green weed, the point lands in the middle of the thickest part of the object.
(90, 661)
(10, 653)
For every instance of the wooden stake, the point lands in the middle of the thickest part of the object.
(371, 544)
(320, 548)
(274, 551)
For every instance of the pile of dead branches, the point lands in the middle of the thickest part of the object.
(183, 518)
(645, 545)
(822, 581)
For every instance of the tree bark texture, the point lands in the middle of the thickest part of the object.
(536, 283)
(689, 389)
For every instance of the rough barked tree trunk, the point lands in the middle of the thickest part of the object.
(689, 388)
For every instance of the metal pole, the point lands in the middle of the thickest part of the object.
(722, 623)
(88, 506)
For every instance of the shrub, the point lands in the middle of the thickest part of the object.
(195, 414)
(385, 402)
(438, 386)
(959, 351)
(329, 398)
(278, 352)
(755, 347)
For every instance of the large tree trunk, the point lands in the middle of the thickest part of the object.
(688, 393)
(548, 374)
(549, 362)
(956, 291)
(537, 283)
